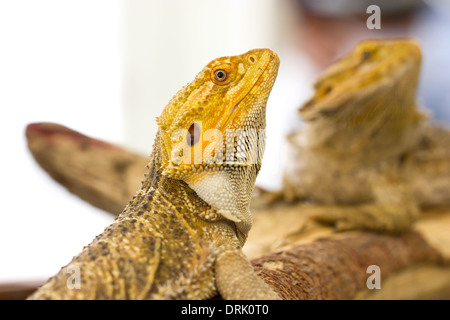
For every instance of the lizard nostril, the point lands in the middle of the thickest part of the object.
(252, 59)
(328, 89)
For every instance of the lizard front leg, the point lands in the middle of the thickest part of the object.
(236, 279)
(393, 210)
(377, 217)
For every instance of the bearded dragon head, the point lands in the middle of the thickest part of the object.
(212, 131)
(366, 100)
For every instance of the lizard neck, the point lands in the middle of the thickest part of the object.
(172, 189)
(183, 199)
(373, 124)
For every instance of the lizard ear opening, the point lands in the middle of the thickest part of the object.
(193, 135)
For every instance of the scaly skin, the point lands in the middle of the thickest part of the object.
(181, 235)
(366, 156)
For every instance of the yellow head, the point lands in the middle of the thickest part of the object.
(212, 131)
(371, 65)
(364, 106)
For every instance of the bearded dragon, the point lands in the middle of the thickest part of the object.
(181, 235)
(366, 154)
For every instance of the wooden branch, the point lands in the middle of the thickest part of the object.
(336, 268)
(314, 264)
(318, 263)
(98, 172)
(18, 290)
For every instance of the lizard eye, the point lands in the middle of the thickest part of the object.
(220, 75)
(366, 55)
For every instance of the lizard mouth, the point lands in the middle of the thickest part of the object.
(268, 65)
(337, 84)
